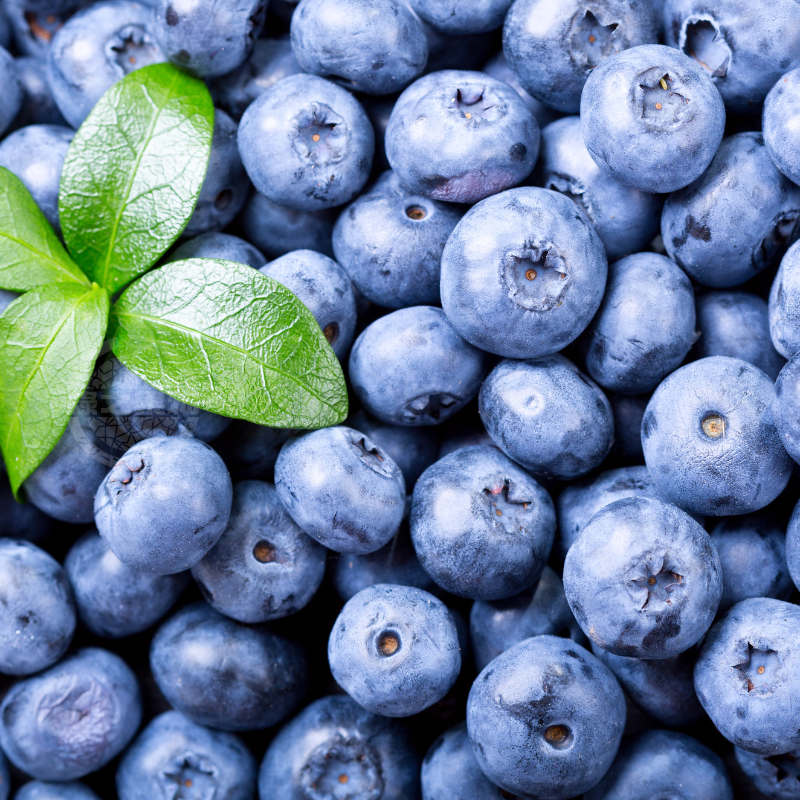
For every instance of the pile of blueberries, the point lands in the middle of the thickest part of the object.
(552, 552)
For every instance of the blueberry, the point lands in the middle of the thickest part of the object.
(164, 504)
(413, 449)
(548, 416)
(22, 520)
(96, 48)
(372, 46)
(773, 776)
(793, 545)
(40, 790)
(341, 489)
(710, 440)
(226, 675)
(33, 30)
(276, 229)
(746, 675)
(411, 367)
(37, 609)
(64, 484)
(219, 245)
(722, 232)
(779, 123)
(545, 719)
(626, 219)
(628, 414)
(743, 47)
(643, 579)
(250, 450)
(664, 764)
(736, 324)
(461, 136)
(226, 186)
(270, 61)
(175, 757)
(523, 273)
(394, 650)
(554, 49)
(784, 304)
(784, 407)
(482, 527)
(35, 154)
(645, 325)
(208, 40)
(752, 553)
(457, 19)
(496, 625)
(652, 118)
(38, 106)
(72, 719)
(114, 600)
(336, 749)
(390, 242)
(12, 90)
(306, 143)
(263, 567)
(325, 289)
(451, 772)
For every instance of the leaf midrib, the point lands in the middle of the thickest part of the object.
(75, 278)
(178, 326)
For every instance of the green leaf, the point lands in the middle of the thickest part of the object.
(134, 171)
(226, 338)
(30, 253)
(49, 340)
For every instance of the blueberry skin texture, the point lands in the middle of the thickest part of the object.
(779, 122)
(72, 719)
(12, 91)
(65, 483)
(736, 324)
(759, 632)
(38, 106)
(784, 407)
(225, 675)
(739, 465)
(744, 47)
(93, 50)
(541, 610)
(37, 609)
(324, 288)
(164, 505)
(114, 600)
(456, 19)
(390, 242)
(482, 528)
(219, 245)
(276, 229)
(638, 144)
(664, 763)
(752, 552)
(418, 665)
(784, 304)
(285, 163)
(461, 136)
(356, 503)
(451, 772)
(657, 572)
(769, 773)
(173, 749)
(334, 736)
(548, 45)
(39, 790)
(645, 325)
(724, 232)
(263, 567)
(226, 186)
(626, 219)
(413, 449)
(208, 40)
(793, 545)
(35, 154)
(486, 292)
(548, 416)
(372, 46)
(411, 367)
(545, 683)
